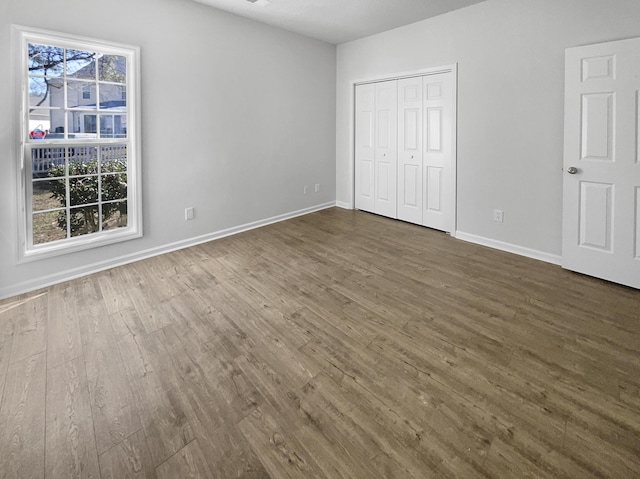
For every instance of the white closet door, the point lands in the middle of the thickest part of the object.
(364, 148)
(386, 148)
(410, 191)
(438, 151)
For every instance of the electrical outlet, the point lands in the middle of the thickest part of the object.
(306, 190)
(498, 216)
(317, 188)
(188, 213)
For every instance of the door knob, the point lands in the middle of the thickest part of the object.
(572, 170)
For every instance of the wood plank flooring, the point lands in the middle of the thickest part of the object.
(335, 345)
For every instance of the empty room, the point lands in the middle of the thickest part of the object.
(320, 239)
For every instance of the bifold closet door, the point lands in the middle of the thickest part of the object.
(376, 145)
(404, 146)
(438, 95)
(364, 148)
(410, 190)
(386, 148)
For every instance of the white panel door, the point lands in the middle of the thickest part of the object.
(364, 148)
(386, 148)
(601, 186)
(410, 189)
(438, 96)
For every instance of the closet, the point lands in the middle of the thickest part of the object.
(405, 149)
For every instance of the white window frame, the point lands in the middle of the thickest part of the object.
(28, 251)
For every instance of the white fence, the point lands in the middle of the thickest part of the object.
(44, 158)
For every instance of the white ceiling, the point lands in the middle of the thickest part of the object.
(338, 21)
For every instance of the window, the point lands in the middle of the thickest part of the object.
(79, 147)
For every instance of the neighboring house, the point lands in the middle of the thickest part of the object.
(84, 95)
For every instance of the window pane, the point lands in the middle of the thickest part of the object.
(114, 215)
(48, 227)
(90, 123)
(112, 68)
(114, 159)
(83, 160)
(81, 94)
(82, 125)
(114, 187)
(81, 64)
(85, 155)
(112, 97)
(113, 126)
(83, 190)
(84, 220)
(37, 90)
(45, 60)
(106, 126)
(47, 162)
(47, 121)
(45, 91)
(48, 195)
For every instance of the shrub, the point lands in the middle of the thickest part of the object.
(83, 190)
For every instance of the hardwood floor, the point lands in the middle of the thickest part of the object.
(335, 345)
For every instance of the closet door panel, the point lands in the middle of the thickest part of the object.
(386, 148)
(365, 148)
(438, 150)
(434, 189)
(410, 190)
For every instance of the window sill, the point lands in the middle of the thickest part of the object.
(74, 245)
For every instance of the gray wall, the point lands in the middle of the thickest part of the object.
(236, 118)
(510, 57)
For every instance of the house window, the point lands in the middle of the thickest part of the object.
(79, 148)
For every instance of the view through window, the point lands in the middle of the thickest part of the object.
(78, 145)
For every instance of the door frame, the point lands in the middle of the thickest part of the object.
(453, 68)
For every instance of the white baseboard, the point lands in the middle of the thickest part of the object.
(510, 248)
(343, 205)
(67, 275)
